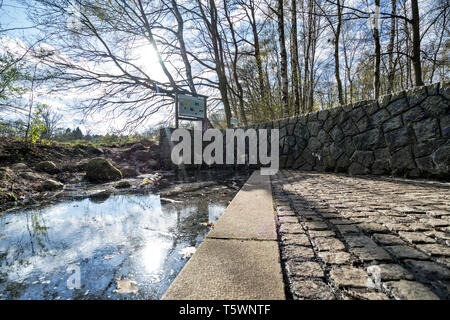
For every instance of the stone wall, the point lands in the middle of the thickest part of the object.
(406, 133)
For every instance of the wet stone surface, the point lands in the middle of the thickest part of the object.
(369, 238)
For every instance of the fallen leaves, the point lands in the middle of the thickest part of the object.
(126, 286)
(187, 252)
(208, 224)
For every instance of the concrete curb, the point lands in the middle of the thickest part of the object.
(239, 259)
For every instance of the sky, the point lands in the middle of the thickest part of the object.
(13, 15)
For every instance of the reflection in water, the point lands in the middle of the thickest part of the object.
(130, 235)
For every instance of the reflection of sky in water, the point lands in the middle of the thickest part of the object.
(139, 237)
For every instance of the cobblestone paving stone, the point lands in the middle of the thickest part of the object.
(370, 238)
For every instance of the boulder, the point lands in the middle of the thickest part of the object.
(94, 150)
(129, 172)
(29, 175)
(101, 170)
(47, 166)
(100, 196)
(81, 165)
(143, 155)
(50, 185)
(137, 146)
(122, 184)
(19, 166)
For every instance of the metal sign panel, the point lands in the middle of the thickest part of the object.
(190, 106)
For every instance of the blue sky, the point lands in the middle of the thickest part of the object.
(13, 15)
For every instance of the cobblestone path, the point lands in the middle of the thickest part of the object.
(344, 237)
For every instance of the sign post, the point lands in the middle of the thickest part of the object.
(189, 107)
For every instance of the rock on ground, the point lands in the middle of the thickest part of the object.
(101, 170)
(50, 185)
(47, 166)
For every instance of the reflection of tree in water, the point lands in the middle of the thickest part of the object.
(38, 232)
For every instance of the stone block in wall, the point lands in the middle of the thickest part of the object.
(380, 116)
(342, 115)
(372, 107)
(336, 133)
(435, 105)
(364, 124)
(299, 161)
(398, 106)
(425, 164)
(444, 89)
(426, 147)
(417, 95)
(283, 133)
(276, 124)
(300, 143)
(293, 120)
(401, 161)
(382, 154)
(414, 114)
(349, 128)
(369, 140)
(357, 169)
(324, 138)
(349, 146)
(336, 150)
(314, 127)
(312, 116)
(398, 138)
(393, 123)
(441, 158)
(314, 144)
(342, 163)
(290, 129)
(365, 158)
(384, 100)
(307, 155)
(329, 124)
(302, 119)
(433, 89)
(289, 161)
(426, 129)
(357, 114)
(301, 131)
(380, 167)
(322, 115)
(445, 125)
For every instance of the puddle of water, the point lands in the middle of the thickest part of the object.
(44, 251)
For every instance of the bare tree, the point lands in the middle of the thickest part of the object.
(294, 57)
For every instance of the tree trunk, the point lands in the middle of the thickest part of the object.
(180, 38)
(377, 57)
(294, 57)
(391, 66)
(336, 52)
(257, 49)
(240, 91)
(415, 57)
(283, 59)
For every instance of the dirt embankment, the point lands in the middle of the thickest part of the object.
(30, 173)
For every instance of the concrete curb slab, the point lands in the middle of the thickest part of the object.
(239, 258)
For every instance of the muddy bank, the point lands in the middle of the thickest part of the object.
(32, 173)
